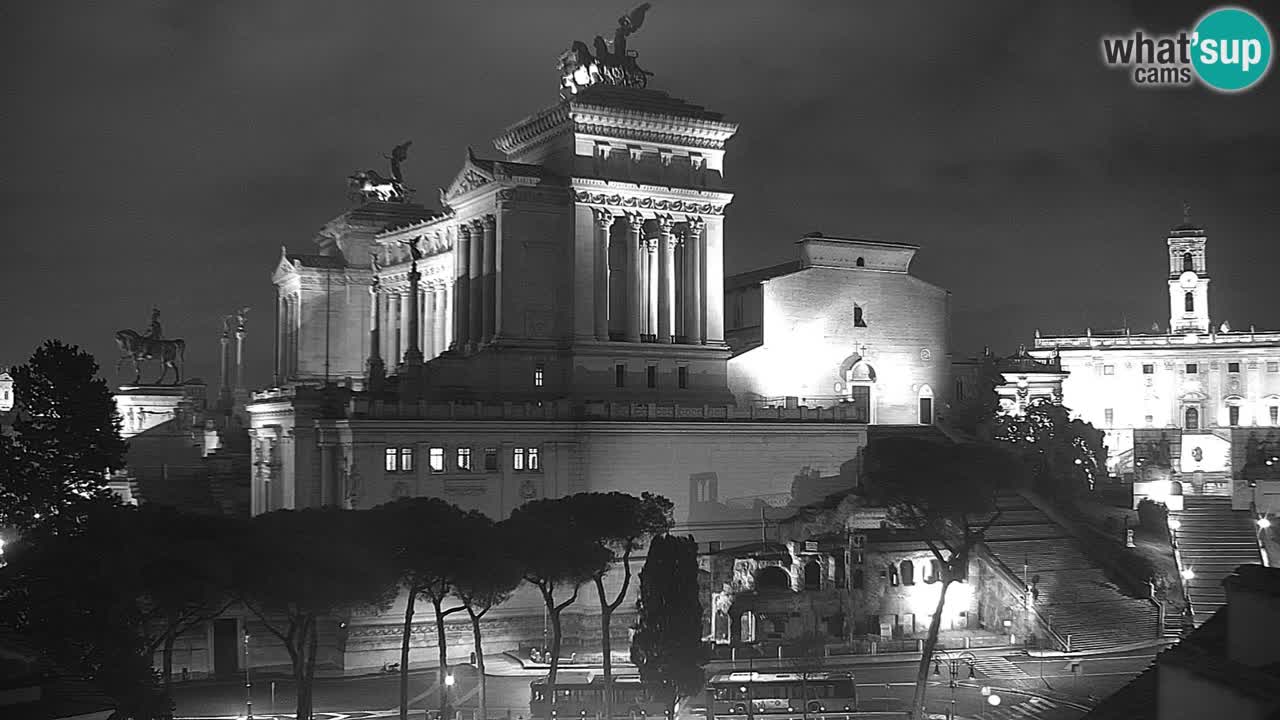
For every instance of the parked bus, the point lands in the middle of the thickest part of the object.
(581, 695)
(781, 695)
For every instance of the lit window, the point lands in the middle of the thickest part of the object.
(1189, 302)
(1274, 412)
(1110, 416)
(1233, 367)
(390, 464)
(436, 458)
(537, 376)
(517, 459)
(1192, 368)
(1273, 367)
(1233, 415)
(534, 459)
(1149, 420)
(1148, 369)
(1108, 369)
(464, 459)
(491, 458)
(406, 459)
(398, 459)
(651, 376)
(858, 320)
(682, 377)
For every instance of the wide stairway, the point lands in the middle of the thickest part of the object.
(1074, 594)
(1213, 541)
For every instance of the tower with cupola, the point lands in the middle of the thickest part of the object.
(1188, 278)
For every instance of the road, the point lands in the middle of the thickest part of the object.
(1028, 688)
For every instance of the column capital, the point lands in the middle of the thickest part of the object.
(696, 223)
(604, 218)
(464, 230)
(635, 221)
(489, 222)
(666, 224)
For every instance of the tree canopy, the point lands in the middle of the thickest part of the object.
(1065, 456)
(667, 646)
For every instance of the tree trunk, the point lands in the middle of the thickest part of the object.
(930, 642)
(443, 649)
(306, 699)
(475, 634)
(170, 635)
(405, 638)
(554, 612)
(606, 646)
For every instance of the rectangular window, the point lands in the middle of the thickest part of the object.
(620, 375)
(537, 376)
(406, 459)
(1274, 413)
(651, 376)
(1192, 368)
(1149, 420)
(1148, 369)
(436, 458)
(682, 377)
(390, 461)
(533, 459)
(517, 459)
(1233, 415)
(491, 459)
(1110, 416)
(464, 459)
(1273, 367)
(959, 389)
(1108, 369)
(926, 411)
(1233, 367)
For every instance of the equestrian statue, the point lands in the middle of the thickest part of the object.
(151, 346)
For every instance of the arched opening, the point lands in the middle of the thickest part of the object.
(772, 578)
(859, 377)
(723, 626)
(1233, 402)
(1189, 302)
(1188, 262)
(860, 262)
(858, 320)
(925, 401)
(908, 571)
(1175, 488)
(1192, 417)
(812, 575)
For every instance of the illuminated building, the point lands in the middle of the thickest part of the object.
(1194, 406)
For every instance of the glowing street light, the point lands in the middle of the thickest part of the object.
(1188, 574)
(1263, 523)
(1174, 524)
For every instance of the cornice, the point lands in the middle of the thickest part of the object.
(535, 129)
(642, 197)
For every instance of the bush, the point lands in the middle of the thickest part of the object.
(1153, 516)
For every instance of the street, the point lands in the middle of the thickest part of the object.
(1028, 688)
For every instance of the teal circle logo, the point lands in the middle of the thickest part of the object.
(1231, 49)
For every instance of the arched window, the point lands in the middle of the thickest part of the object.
(772, 578)
(1189, 301)
(925, 401)
(858, 320)
(861, 262)
(908, 570)
(1188, 262)
(1193, 419)
(812, 576)
(934, 573)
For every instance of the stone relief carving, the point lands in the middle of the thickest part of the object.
(648, 203)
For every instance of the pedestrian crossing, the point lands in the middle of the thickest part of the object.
(1032, 708)
(999, 667)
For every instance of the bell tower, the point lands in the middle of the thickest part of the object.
(1188, 278)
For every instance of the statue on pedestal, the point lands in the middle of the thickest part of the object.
(580, 69)
(152, 346)
(370, 185)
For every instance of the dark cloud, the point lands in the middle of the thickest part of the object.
(161, 153)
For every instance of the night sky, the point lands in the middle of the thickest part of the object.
(160, 154)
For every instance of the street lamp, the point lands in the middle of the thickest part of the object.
(954, 663)
(1263, 524)
(1188, 574)
(248, 686)
(448, 688)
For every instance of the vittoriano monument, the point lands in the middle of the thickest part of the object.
(152, 346)
(580, 69)
(369, 185)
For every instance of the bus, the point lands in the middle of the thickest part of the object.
(781, 695)
(580, 694)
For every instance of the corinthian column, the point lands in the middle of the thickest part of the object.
(604, 221)
(693, 261)
(406, 324)
(490, 282)
(651, 286)
(635, 255)
(462, 288)
(476, 272)
(666, 279)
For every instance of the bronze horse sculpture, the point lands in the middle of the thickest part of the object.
(137, 348)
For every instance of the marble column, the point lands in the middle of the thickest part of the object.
(604, 221)
(462, 288)
(280, 325)
(447, 317)
(429, 322)
(376, 370)
(651, 291)
(713, 279)
(666, 279)
(476, 274)
(490, 281)
(635, 256)
(693, 261)
(396, 322)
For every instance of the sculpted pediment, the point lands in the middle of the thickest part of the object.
(470, 177)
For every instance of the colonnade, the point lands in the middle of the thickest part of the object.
(663, 278)
(394, 320)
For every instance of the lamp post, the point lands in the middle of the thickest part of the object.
(248, 686)
(954, 664)
(448, 688)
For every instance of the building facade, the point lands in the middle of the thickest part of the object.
(1200, 399)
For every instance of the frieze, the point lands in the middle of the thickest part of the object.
(652, 136)
(647, 203)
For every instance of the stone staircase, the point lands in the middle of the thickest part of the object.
(1213, 541)
(1073, 593)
